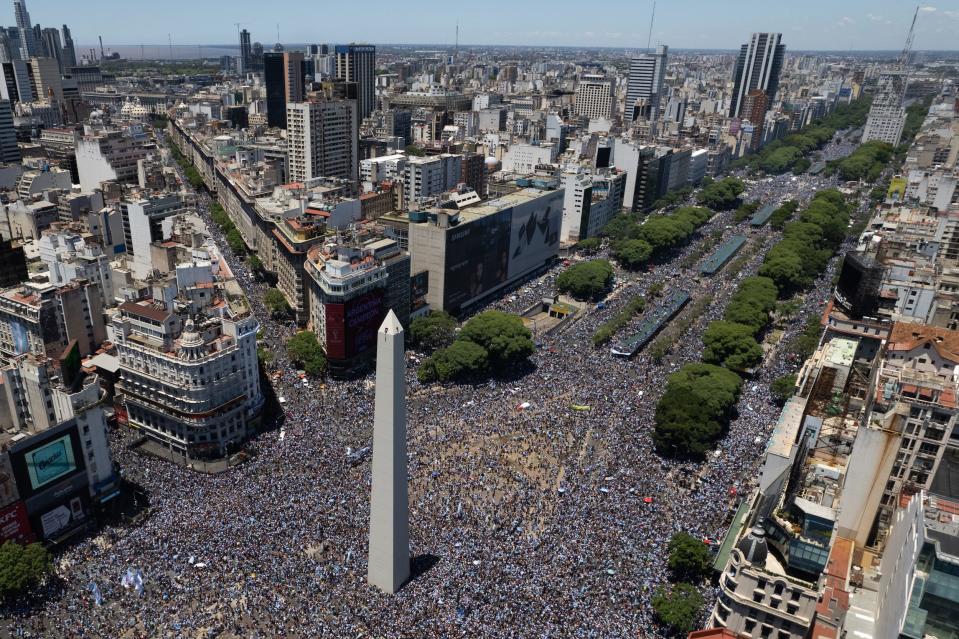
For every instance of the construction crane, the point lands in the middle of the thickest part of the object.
(907, 49)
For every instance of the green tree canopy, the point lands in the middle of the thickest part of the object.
(722, 195)
(632, 254)
(276, 303)
(586, 280)
(459, 360)
(689, 558)
(678, 607)
(433, 331)
(731, 345)
(22, 566)
(695, 409)
(783, 388)
(304, 349)
(502, 335)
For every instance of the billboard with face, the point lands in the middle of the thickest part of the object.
(477, 258)
(351, 326)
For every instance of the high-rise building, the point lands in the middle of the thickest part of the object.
(50, 46)
(646, 74)
(69, 55)
(28, 45)
(887, 117)
(357, 63)
(9, 151)
(594, 97)
(283, 75)
(322, 139)
(758, 67)
(754, 109)
(246, 52)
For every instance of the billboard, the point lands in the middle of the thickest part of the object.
(43, 462)
(20, 337)
(534, 232)
(8, 485)
(50, 462)
(62, 517)
(351, 326)
(14, 525)
(477, 258)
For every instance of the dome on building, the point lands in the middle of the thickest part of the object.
(491, 161)
(753, 546)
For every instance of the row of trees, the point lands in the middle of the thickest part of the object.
(790, 153)
(635, 244)
(700, 399)
(230, 232)
(678, 605)
(722, 195)
(586, 280)
(489, 343)
(192, 175)
(866, 162)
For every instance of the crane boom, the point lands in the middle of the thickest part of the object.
(907, 49)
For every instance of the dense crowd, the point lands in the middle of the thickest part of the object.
(538, 521)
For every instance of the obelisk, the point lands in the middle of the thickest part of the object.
(389, 561)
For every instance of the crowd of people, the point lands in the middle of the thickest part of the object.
(527, 517)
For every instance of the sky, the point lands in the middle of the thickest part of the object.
(836, 25)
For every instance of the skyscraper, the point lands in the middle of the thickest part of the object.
(283, 76)
(9, 151)
(69, 56)
(357, 63)
(28, 46)
(886, 115)
(646, 73)
(322, 139)
(758, 67)
(51, 47)
(389, 554)
(594, 97)
(246, 52)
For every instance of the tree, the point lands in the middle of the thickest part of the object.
(276, 303)
(695, 409)
(678, 607)
(783, 388)
(632, 253)
(688, 558)
(459, 360)
(502, 335)
(433, 331)
(235, 240)
(304, 349)
(786, 271)
(22, 566)
(586, 280)
(722, 195)
(731, 345)
(589, 246)
(256, 265)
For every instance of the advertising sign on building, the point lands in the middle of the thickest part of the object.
(50, 462)
(8, 485)
(14, 525)
(534, 233)
(351, 327)
(477, 258)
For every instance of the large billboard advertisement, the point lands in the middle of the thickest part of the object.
(45, 462)
(477, 258)
(351, 327)
(20, 337)
(14, 525)
(50, 462)
(534, 233)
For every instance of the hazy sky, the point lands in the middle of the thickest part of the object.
(805, 24)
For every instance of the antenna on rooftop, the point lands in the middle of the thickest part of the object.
(456, 50)
(277, 32)
(169, 38)
(652, 17)
(101, 47)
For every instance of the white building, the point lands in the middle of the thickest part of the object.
(590, 202)
(147, 219)
(191, 384)
(68, 257)
(425, 177)
(384, 167)
(595, 96)
(887, 117)
(322, 139)
(646, 75)
(524, 158)
(107, 156)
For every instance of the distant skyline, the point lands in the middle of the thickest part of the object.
(702, 24)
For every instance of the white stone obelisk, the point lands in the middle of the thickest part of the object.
(389, 561)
